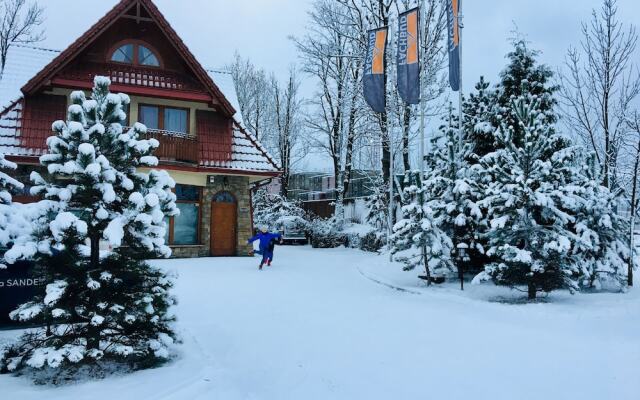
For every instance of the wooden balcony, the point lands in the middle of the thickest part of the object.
(132, 75)
(175, 146)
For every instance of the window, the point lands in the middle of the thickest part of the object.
(146, 57)
(123, 54)
(149, 115)
(175, 120)
(165, 118)
(136, 54)
(184, 229)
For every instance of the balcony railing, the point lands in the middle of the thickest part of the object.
(132, 75)
(175, 146)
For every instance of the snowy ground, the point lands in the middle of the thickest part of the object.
(328, 324)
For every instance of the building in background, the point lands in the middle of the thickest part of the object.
(190, 110)
(317, 192)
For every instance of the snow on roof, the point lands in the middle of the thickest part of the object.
(247, 154)
(23, 63)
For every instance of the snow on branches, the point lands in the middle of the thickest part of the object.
(100, 303)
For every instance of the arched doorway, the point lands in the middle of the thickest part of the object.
(224, 224)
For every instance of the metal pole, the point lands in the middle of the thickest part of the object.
(460, 115)
(460, 26)
(421, 163)
(391, 179)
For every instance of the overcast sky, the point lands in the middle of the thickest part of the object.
(259, 29)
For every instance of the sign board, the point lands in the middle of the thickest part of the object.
(18, 284)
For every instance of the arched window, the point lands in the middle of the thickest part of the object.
(136, 54)
(224, 197)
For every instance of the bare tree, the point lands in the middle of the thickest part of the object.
(288, 112)
(19, 24)
(600, 82)
(254, 95)
(324, 52)
(633, 124)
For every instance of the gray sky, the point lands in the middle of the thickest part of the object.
(259, 29)
(214, 29)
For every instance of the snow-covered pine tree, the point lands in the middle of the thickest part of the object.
(523, 70)
(532, 184)
(480, 122)
(452, 193)
(417, 235)
(9, 227)
(110, 305)
(602, 246)
(377, 206)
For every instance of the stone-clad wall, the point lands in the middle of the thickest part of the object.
(239, 187)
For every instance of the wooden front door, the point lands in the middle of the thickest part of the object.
(224, 217)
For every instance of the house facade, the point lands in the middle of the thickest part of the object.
(190, 110)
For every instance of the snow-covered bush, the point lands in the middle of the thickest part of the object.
(105, 306)
(274, 210)
(324, 234)
(363, 237)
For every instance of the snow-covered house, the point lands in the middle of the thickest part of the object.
(191, 111)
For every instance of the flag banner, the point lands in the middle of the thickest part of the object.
(453, 9)
(408, 56)
(374, 69)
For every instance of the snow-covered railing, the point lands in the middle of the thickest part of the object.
(124, 74)
(175, 146)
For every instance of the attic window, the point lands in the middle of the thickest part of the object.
(136, 54)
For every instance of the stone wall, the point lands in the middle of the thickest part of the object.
(239, 187)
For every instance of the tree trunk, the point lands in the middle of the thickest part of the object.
(94, 239)
(406, 126)
(532, 291)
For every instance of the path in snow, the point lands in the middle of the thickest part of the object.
(315, 326)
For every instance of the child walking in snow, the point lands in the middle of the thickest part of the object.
(267, 244)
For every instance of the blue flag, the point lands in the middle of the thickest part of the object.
(374, 70)
(408, 57)
(453, 10)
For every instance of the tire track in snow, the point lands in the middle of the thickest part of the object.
(388, 285)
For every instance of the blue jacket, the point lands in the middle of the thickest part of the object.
(265, 239)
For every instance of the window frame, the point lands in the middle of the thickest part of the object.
(198, 203)
(161, 109)
(136, 53)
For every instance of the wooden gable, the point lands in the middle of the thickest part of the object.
(179, 77)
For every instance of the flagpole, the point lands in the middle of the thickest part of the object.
(460, 135)
(391, 175)
(423, 248)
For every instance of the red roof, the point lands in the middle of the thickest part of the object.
(102, 25)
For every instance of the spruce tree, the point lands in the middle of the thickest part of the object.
(417, 240)
(453, 191)
(107, 306)
(377, 206)
(602, 245)
(523, 71)
(532, 184)
(480, 122)
(11, 225)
